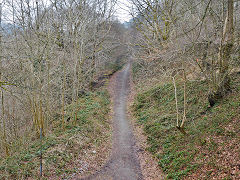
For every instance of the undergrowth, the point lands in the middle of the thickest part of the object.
(63, 149)
(181, 155)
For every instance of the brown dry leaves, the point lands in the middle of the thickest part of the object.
(224, 161)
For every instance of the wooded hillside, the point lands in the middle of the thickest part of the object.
(186, 73)
(59, 114)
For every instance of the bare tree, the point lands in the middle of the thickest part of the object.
(51, 52)
(186, 39)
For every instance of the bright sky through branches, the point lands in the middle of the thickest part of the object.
(122, 10)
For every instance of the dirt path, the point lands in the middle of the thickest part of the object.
(124, 163)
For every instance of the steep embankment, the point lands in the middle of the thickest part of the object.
(210, 150)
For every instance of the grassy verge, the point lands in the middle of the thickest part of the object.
(211, 132)
(66, 152)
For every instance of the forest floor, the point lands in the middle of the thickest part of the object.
(79, 149)
(210, 150)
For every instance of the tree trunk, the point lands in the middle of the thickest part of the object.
(223, 84)
(63, 94)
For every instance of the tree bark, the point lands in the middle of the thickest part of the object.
(225, 50)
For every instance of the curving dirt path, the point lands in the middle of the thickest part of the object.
(124, 163)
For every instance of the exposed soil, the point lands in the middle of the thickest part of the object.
(123, 163)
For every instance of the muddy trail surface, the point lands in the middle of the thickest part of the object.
(124, 163)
